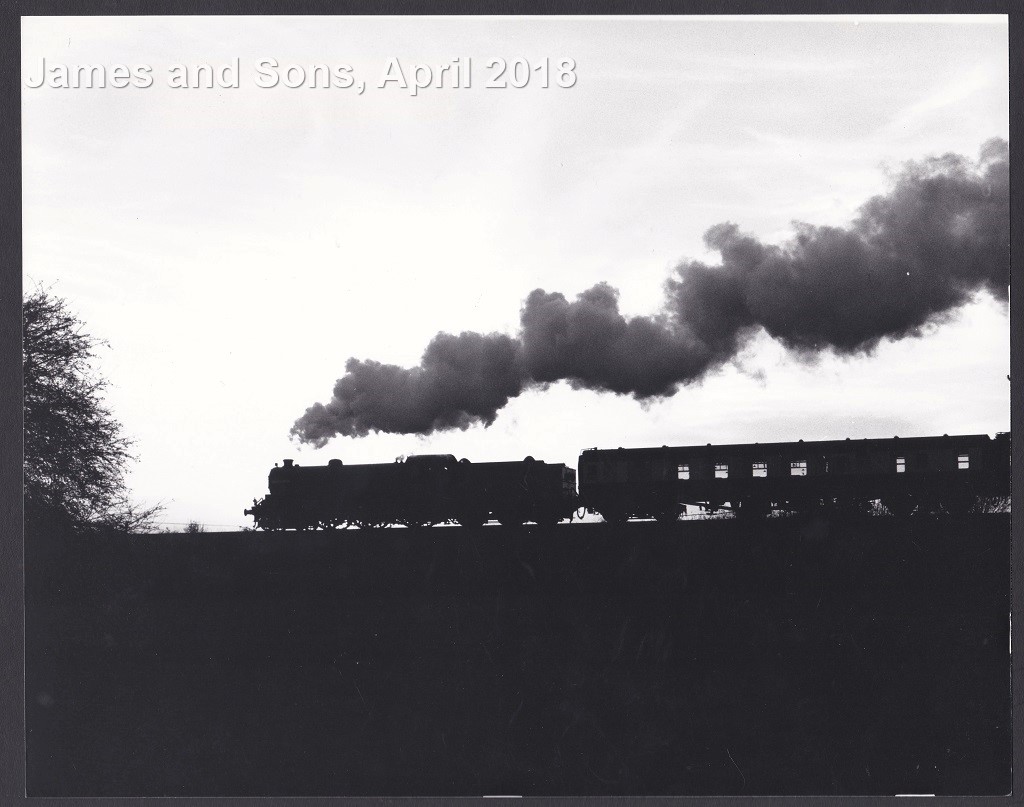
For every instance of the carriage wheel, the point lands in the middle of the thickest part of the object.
(667, 515)
(853, 505)
(752, 508)
(900, 506)
(959, 503)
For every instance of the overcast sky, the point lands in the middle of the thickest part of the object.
(235, 246)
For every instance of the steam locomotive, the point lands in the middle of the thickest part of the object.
(924, 474)
(418, 492)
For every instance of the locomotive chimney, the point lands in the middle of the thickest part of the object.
(288, 463)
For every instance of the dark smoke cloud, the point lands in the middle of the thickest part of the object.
(909, 258)
(461, 380)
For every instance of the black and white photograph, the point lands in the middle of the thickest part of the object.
(469, 405)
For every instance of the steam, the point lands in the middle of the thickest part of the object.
(909, 258)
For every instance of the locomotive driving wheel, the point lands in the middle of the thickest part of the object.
(617, 517)
(472, 519)
(511, 519)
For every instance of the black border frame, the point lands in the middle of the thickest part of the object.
(12, 583)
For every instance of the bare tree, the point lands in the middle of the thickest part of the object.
(76, 455)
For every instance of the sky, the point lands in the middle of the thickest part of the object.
(236, 245)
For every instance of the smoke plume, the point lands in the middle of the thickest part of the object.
(909, 258)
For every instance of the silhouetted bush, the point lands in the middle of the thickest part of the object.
(75, 453)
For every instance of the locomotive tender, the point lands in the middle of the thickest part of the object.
(927, 474)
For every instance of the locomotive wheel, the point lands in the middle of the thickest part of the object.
(268, 524)
(472, 520)
(511, 519)
(616, 517)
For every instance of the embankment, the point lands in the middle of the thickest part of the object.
(788, 657)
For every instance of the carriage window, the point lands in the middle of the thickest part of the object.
(963, 462)
(721, 470)
(760, 469)
(901, 465)
(798, 468)
(683, 472)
